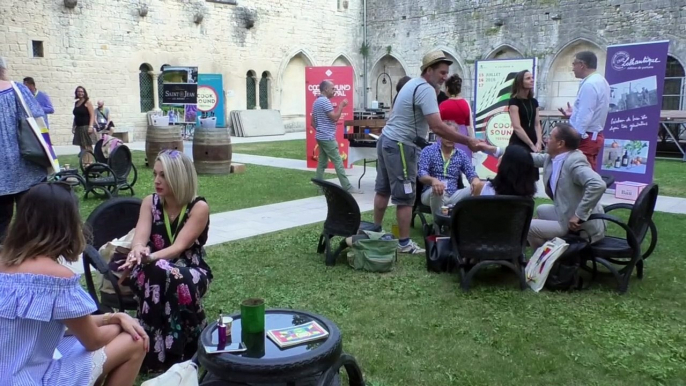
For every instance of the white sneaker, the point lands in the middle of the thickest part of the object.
(411, 248)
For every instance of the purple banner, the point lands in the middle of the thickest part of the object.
(636, 74)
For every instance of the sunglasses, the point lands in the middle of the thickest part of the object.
(173, 154)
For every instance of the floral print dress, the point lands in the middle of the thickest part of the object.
(170, 292)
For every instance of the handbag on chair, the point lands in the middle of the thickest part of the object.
(34, 138)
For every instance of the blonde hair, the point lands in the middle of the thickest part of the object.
(47, 223)
(180, 175)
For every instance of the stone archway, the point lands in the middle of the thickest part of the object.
(505, 51)
(384, 77)
(343, 60)
(673, 97)
(292, 86)
(562, 86)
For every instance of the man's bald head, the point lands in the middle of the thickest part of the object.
(326, 89)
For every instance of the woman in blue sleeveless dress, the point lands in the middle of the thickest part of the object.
(41, 299)
(169, 274)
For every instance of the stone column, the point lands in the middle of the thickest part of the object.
(155, 92)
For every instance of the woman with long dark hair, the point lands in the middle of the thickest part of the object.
(516, 174)
(84, 120)
(524, 113)
(48, 333)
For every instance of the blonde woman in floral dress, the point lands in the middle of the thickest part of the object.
(168, 272)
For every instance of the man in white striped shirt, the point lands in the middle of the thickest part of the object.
(324, 119)
(591, 106)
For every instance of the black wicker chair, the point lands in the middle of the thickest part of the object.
(490, 230)
(342, 219)
(110, 220)
(111, 178)
(625, 253)
(420, 210)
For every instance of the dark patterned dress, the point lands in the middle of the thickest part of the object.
(170, 292)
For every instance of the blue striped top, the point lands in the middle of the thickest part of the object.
(326, 128)
(32, 308)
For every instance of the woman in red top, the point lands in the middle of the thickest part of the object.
(456, 109)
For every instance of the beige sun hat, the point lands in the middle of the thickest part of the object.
(434, 57)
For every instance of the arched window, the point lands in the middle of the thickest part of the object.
(160, 80)
(673, 95)
(265, 82)
(146, 88)
(251, 89)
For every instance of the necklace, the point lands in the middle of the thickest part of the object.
(528, 113)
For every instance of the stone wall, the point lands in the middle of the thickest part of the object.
(551, 30)
(101, 44)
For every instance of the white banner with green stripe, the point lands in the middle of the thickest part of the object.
(493, 84)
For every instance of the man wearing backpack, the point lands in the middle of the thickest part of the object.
(574, 187)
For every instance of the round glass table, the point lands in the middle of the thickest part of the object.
(265, 363)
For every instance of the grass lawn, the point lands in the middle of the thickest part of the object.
(411, 327)
(255, 187)
(670, 175)
(280, 149)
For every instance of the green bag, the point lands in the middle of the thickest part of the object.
(371, 253)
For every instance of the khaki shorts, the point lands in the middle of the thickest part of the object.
(396, 166)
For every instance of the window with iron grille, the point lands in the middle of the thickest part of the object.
(264, 91)
(251, 90)
(146, 88)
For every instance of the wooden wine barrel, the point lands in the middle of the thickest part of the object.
(160, 138)
(212, 150)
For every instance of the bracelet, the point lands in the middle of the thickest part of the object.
(106, 318)
(137, 244)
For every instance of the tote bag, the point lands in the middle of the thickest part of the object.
(34, 138)
(538, 267)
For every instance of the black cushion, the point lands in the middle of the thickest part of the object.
(610, 246)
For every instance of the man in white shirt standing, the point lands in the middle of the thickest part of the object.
(591, 106)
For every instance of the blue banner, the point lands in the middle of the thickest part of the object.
(211, 99)
(636, 74)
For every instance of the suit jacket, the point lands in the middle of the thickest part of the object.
(578, 192)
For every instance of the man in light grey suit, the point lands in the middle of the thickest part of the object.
(572, 185)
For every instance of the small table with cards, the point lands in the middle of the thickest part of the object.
(315, 361)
